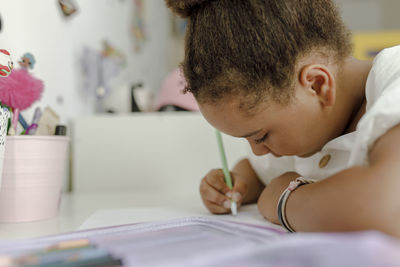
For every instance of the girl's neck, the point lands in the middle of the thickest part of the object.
(352, 82)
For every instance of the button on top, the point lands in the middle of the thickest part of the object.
(324, 160)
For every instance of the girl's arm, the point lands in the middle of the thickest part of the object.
(359, 198)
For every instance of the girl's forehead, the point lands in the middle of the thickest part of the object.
(265, 112)
(228, 118)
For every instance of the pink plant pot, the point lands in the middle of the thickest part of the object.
(33, 172)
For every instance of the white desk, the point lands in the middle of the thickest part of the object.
(77, 208)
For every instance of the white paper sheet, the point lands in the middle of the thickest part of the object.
(109, 217)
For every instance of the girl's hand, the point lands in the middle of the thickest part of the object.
(216, 195)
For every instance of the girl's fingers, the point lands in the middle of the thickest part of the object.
(211, 194)
(216, 194)
(214, 208)
(239, 191)
(215, 178)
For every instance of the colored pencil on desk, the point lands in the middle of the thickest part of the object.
(68, 253)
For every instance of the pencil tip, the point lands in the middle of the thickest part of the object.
(233, 208)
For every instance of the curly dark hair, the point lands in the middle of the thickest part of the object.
(250, 48)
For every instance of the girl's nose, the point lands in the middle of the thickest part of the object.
(258, 149)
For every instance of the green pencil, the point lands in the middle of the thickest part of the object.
(225, 169)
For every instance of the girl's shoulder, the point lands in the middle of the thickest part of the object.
(382, 92)
(384, 75)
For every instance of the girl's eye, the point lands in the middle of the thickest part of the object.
(262, 139)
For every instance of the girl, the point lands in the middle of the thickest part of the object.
(280, 74)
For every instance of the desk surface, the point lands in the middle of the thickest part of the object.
(77, 208)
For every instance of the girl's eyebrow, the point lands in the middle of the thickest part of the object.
(250, 134)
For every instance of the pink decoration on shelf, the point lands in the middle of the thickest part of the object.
(20, 89)
(171, 93)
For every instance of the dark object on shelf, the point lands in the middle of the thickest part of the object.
(134, 105)
(61, 130)
(172, 108)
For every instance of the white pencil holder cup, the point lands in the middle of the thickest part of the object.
(4, 115)
(33, 174)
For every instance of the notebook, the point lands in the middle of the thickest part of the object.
(200, 241)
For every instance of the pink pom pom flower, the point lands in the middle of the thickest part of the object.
(20, 89)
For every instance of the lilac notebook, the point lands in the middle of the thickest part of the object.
(199, 241)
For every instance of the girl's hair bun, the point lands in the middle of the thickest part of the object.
(184, 8)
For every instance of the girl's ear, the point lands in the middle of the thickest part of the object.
(319, 81)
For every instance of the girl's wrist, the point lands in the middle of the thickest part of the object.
(268, 200)
(281, 205)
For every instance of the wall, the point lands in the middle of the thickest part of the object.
(148, 152)
(56, 42)
(370, 15)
